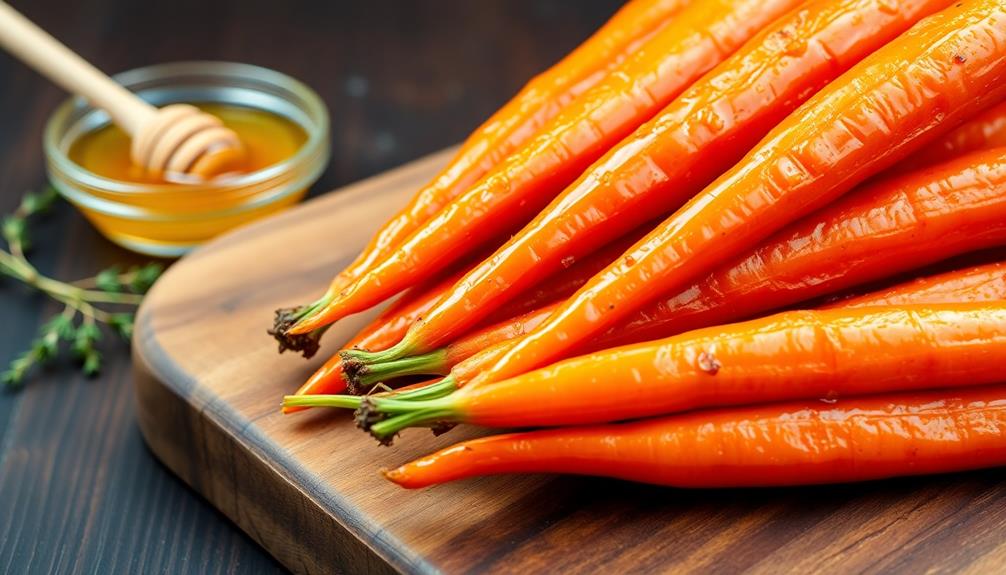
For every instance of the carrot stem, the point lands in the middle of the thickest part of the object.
(370, 360)
(341, 401)
(435, 390)
(370, 374)
(432, 413)
(395, 401)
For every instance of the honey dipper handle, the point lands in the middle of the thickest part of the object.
(52, 59)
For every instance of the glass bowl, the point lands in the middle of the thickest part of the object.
(168, 220)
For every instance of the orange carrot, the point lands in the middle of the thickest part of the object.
(699, 37)
(514, 124)
(887, 227)
(942, 71)
(799, 443)
(792, 355)
(671, 158)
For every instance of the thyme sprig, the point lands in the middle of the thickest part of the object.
(107, 298)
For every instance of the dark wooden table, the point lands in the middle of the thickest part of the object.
(79, 492)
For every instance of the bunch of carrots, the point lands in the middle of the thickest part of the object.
(722, 243)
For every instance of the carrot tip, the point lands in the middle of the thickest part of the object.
(395, 476)
(288, 409)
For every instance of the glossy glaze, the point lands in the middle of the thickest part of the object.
(945, 69)
(884, 228)
(792, 355)
(888, 227)
(671, 158)
(986, 130)
(799, 443)
(697, 39)
(516, 122)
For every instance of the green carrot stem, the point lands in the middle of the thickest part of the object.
(340, 401)
(425, 417)
(436, 390)
(433, 363)
(306, 311)
(401, 350)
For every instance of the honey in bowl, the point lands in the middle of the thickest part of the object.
(268, 139)
(282, 124)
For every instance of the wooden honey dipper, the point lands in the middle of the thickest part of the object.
(176, 139)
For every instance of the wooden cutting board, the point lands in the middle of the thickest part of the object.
(306, 487)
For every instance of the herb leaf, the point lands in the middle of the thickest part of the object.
(85, 308)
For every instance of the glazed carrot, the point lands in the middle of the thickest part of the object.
(799, 443)
(945, 69)
(792, 355)
(510, 127)
(973, 284)
(389, 327)
(886, 227)
(671, 158)
(698, 38)
(986, 130)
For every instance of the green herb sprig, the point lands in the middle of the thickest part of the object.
(87, 303)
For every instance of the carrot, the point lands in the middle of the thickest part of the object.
(887, 227)
(973, 284)
(799, 443)
(943, 70)
(389, 327)
(698, 38)
(503, 133)
(670, 159)
(986, 130)
(883, 228)
(792, 355)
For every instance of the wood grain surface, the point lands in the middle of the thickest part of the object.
(79, 491)
(307, 486)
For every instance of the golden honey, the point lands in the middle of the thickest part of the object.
(268, 139)
(282, 124)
